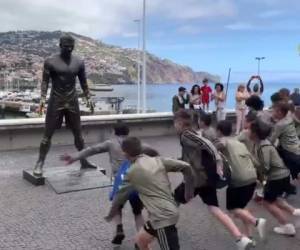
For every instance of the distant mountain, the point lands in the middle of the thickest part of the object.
(22, 54)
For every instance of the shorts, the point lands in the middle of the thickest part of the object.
(136, 205)
(276, 188)
(167, 236)
(208, 195)
(292, 161)
(239, 197)
(205, 100)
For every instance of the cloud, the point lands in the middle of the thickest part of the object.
(195, 9)
(271, 13)
(102, 18)
(185, 46)
(239, 26)
(98, 18)
(114, 18)
(130, 34)
(189, 29)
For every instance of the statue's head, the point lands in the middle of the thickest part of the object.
(66, 44)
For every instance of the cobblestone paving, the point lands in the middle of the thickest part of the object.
(35, 218)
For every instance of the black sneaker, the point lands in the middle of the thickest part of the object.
(118, 239)
(292, 190)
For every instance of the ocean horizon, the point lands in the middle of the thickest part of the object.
(159, 96)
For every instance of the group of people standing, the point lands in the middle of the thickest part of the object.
(199, 99)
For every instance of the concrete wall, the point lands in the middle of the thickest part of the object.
(27, 133)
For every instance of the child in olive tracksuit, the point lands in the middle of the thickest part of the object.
(112, 146)
(278, 179)
(148, 176)
(243, 179)
(285, 132)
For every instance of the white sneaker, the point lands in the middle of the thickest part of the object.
(288, 230)
(244, 244)
(296, 212)
(297, 217)
(261, 228)
(253, 241)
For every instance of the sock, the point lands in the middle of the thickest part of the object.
(119, 228)
(139, 222)
(119, 237)
(239, 239)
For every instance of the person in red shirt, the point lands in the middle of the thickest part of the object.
(206, 93)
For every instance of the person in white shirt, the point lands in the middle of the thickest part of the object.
(195, 98)
(220, 98)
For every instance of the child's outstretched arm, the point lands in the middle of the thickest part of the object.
(89, 151)
(249, 83)
(264, 155)
(172, 165)
(276, 132)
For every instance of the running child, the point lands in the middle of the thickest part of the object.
(206, 92)
(117, 160)
(278, 180)
(243, 180)
(244, 137)
(205, 124)
(206, 163)
(148, 175)
(285, 132)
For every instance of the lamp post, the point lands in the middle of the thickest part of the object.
(258, 63)
(144, 58)
(138, 21)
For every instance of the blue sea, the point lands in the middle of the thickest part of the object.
(159, 96)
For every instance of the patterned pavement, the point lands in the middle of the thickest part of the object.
(36, 218)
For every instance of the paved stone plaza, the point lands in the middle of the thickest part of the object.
(36, 218)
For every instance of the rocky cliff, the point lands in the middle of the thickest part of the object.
(22, 54)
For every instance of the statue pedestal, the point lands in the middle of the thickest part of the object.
(34, 180)
(69, 179)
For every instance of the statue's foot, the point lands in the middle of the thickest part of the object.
(38, 169)
(85, 164)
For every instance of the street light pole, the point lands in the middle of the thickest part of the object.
(258, 63)
(138, 21)
(144, 58)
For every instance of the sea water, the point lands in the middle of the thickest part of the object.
(159, 96)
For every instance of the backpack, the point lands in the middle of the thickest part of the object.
(240, 160)
(208, 162)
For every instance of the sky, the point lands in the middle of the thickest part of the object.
(206, 35)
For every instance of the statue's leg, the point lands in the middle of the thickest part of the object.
(44, 148)
(53, 121)
(73, 122)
